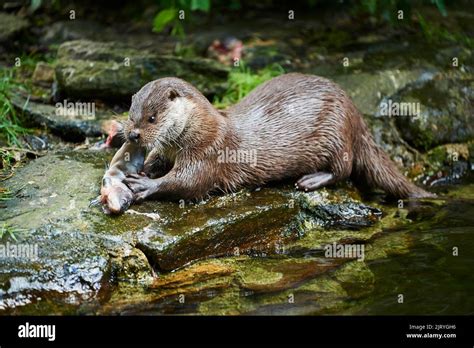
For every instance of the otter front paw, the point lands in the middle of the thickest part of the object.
(141, 186)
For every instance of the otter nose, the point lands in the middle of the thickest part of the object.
(134, 135)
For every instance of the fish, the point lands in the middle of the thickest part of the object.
(115, 196)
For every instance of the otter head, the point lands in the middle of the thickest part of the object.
(159, 113)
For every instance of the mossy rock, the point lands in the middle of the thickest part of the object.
(88, 69)
(446, 112)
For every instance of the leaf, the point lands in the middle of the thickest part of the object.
(441, 7)
(184, 4)
(163, 18)
(371, 6)
(178, 30)
(12, 235)
(202, 5)
(34, 5)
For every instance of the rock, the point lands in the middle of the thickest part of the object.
(361, 86)
(318, 235)
(192, 275)
(69, 266)
(88, 69)
(73, 123)
(77, 29)
(356, 278)
(277, 275)
(37, 143)
(260, 56)
(175, 292)
(257, 223)
(250, 224)
(43, 74)
(264, 242)
(449, 163)
(337, 209)
(446, 112)
(81, 29)
(78, 258)
(10, 26)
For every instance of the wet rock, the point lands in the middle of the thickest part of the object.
(222, 227)
(446, 112)
(43, 74)
(77, 259)
(393, 243)
(37, 143)
(177, 292)
(68, 265)
(257, 223)
(70, 123)
(447, 56)
(10, 26)
(356, 278)
(88, 69)
(192, 275)
(318, 236)
(337, 210)
(281, 274)
(449, 163)
(319, 295)
(462, 192)
(103, 257)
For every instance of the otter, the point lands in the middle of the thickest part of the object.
(293, 126)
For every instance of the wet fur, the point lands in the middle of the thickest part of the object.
(298, 124)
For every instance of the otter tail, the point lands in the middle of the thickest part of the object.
(375, 168)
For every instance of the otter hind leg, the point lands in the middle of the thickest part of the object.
(314, 181)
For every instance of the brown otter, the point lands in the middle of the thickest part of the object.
(293, 126)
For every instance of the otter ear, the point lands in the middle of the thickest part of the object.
(173, 94)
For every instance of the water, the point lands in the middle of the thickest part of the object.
(431, 279)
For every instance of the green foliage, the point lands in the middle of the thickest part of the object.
(163, 18)
(202, 5)
(34, 5)
(9, 231)
(10, 128)
(441, 7)
(169, 15)
(388, 9)
(5, 194)
(242, 80)
(434, 33)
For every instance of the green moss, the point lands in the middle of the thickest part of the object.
(259, 276)
(435, 33)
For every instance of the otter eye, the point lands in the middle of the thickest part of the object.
(151, 119)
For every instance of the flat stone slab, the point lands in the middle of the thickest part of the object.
(83, 254)
(89, 69)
